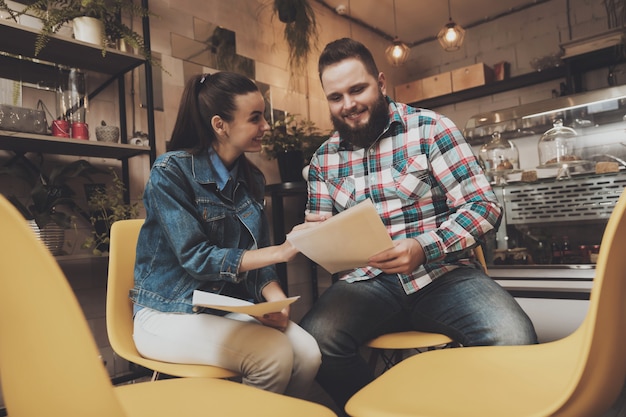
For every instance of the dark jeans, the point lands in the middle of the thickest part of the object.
(464, 304)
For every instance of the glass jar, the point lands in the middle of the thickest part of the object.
(499, 157)
(557, 146)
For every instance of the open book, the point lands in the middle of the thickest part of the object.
(236, 305)
(346, 240)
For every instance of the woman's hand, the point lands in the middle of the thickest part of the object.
(278, 320)
(287, 251)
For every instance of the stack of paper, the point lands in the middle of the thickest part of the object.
(235, 305)
(346, 240)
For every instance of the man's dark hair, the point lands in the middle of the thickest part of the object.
(344, 48)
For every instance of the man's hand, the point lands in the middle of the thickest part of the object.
(403, 258)
(313, 218)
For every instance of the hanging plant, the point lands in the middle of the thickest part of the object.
(222, 45)
(615, 13)
(300, 30)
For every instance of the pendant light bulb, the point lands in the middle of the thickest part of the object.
(398, 52)
(451, 35)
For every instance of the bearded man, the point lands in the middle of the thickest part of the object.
(436, 203)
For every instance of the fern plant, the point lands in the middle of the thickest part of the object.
(5, 7)
(55, 13)
(106, 206)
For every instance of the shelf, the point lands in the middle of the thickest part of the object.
(20, 40)
(29, 72)
(63, 259)
(570, 71)
(29, 142)
(494, 88)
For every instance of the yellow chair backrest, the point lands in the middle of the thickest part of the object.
(119, 308)
(480, 257)
(603, 367)
(49, 362)
(579, 375)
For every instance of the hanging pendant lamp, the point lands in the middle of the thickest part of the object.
(451, 35)
(398, 52)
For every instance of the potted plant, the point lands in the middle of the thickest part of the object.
(5, 7)
(292, 141)
(300, 30)
(107, 133)
(48, 193)
(106, 206)
(55, 13)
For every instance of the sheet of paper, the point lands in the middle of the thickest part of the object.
(235, 305)
(346, 240)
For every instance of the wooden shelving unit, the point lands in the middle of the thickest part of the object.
(30, 142)
(525, 80)
(571, 72)
(18, 62)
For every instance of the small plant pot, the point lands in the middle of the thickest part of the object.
(52, 236)
(290, 165)
(88, 29)
(108, 133)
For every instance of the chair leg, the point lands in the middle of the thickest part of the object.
(374, 358)
(397, 355)
(389, 359)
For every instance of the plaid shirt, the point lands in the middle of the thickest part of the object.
(424, 181)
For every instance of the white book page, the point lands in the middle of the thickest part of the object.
(235, 305)
(346, 240)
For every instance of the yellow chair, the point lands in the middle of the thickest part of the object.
(580, 375)
(119, 308)
(399, 342)
(419, 341)
(49, 362)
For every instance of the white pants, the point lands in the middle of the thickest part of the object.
(265, 357)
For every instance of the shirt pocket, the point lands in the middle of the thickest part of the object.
(342, 191)
(214, 220)
(412, 178)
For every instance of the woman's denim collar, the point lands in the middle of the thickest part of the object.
(212, 170)
(222, 174)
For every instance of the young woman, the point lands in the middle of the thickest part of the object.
(205, 229)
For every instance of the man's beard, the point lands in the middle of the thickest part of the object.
(363, 136)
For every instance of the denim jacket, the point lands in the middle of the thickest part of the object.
(191, 233)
